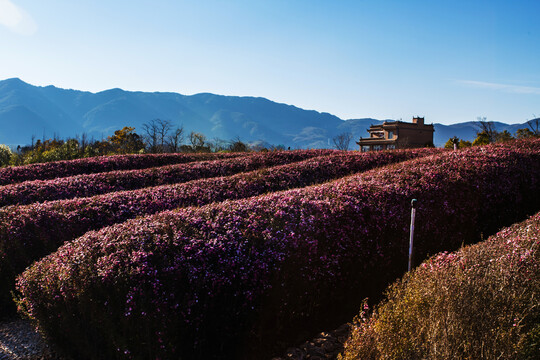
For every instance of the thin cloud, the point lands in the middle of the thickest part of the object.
(16, 19)
(516, 89)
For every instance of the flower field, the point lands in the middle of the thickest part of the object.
(104, 182)
(53, 170)
(29, 232)
(238, 266)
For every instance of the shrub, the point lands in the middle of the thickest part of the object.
(29, 232)
(52, 170)
(241, 278)
(100, 183)
(5, 155)
(478, 303)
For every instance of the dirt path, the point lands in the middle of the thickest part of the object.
(19, 340)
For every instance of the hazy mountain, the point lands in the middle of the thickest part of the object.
(468, 130)
(43, 112)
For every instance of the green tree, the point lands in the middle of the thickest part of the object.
(449, 144)
(126, 141)
(524, 133)
(5, 155)
(504, 136)
(461, 143)
(482, 138)
(64, 150)
(464, 144)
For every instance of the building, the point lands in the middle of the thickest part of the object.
(398, 135)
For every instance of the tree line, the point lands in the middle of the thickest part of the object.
(487, 134)
(157, 136)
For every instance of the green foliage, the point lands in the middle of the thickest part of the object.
(52, 150)
(478, 303)
(449, 144)
(126, 141)
(464, 144)
(5, 155)
(524, 133)
(482, 138)
(504, 136)
(461, 143)
(160, 138)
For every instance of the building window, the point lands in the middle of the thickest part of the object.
(365, 148)
(377, 147)
(390, 135)
(391, 147)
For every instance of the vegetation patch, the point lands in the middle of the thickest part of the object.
(57, 169)
(28, 233)
(480, 302)
(239, 278)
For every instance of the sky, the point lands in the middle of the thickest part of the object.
(449, 61)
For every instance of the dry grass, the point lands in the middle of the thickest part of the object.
(481, 302)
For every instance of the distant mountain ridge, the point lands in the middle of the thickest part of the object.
(27, 110)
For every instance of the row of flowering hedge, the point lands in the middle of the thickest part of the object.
(52, 170)
(480, 302)
(240, 278)
(30, 232)
(100, 183)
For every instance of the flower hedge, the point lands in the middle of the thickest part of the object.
(52, 170)
(100, 183)
(29, 232)
(242, 278)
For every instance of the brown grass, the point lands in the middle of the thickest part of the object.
(481, 302)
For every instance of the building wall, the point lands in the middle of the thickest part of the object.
(408, 137)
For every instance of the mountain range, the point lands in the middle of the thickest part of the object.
(45, 112)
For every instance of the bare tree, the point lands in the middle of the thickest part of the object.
(175, 139)
(156, 133)
(150, 130)
(84, 142)
(534, 125)
(487, 127)
(217, 144)
(164, 126)
(341, 141)
(197, 141)
(238, 145)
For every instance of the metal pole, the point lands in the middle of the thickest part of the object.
(411, 239)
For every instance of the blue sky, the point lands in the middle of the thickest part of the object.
(450, 61)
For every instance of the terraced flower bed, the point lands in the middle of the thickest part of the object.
(100, 183)
(236, 279)
(29, 232)
(57, 169)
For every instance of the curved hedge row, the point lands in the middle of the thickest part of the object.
(480, 302)
(242, 278)
(56, 169)
(29, 232)
(94, 184)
